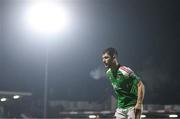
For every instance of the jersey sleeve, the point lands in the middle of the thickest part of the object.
(128, 73)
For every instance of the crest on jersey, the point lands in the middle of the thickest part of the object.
(118, 76)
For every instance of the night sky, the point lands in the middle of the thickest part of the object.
(145, 33)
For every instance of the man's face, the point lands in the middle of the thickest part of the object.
(107, 60)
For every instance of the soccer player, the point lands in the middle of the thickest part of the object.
(126, 84)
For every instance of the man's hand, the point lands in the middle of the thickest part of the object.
(138, 106)
(137, 110)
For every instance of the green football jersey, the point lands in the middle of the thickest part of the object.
(125, 85)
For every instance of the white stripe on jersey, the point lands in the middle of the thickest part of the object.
(126, 71)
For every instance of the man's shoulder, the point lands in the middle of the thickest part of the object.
(128, 72)
(125, 70)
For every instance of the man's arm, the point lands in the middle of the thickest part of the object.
(141, 92)
(138, 106)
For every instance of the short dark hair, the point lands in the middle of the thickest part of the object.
(111, 51)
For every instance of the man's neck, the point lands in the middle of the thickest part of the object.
(115, 66)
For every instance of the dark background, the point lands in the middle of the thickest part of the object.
(145, 33)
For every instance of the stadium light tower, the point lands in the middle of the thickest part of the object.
(46, 18)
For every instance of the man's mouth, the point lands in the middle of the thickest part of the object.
(106, 65)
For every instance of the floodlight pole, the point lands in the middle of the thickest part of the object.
(46, 82)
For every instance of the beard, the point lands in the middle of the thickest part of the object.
(107, 65)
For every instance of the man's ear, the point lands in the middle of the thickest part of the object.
(114, 57)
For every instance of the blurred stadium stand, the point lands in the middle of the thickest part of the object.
(14, 104)
(27, 107)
